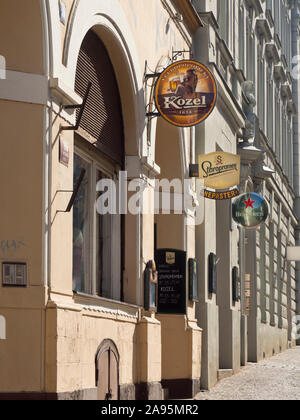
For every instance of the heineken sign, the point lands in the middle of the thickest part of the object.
(250, 210)
(186, 93)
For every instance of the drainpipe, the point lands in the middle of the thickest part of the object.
(296, 148)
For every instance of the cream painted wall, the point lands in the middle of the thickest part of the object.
(73, 336)
(22, 353)
(21, 237)
(21, 172)
(61, 223)
(22, 48)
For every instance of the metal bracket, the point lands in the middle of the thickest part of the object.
(153, 114)
(81, 107)
(146, 78)
(152, 76)
(176, 54)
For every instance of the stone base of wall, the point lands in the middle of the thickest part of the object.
(85, 394)
(130, 392)
(181, 388)
(144, 391)
(149, 391)
(154, 391)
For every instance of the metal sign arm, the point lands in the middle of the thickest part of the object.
(81, 107)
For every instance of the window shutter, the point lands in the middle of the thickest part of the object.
(102, 117)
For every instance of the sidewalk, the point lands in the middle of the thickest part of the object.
(275, 379)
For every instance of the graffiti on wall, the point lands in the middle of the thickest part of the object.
(11, 246)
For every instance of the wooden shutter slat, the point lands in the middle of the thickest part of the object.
(102, 118)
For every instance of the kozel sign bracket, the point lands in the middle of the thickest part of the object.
(156, 75)
(176, 54)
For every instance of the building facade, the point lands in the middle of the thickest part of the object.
(77, 113)
(77, 328)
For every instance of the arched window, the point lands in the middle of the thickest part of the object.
(99, 150)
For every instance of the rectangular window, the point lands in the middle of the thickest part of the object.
(223, 18)
(241, 38)
(108, 251)
(96, 235)
(81, 229)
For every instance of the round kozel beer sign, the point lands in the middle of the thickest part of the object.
(186, 93)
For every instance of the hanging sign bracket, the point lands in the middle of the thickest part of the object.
(176, 54)
(81, 107)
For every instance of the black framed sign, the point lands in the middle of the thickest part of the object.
(171, 267)
(212, 274)
(236, 293)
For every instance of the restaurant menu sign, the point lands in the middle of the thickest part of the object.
(250, 210)
(171, 267)
(220, 170)
(186, 93)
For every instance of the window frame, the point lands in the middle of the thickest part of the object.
(108, 168)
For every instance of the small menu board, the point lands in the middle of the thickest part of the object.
(171, 267)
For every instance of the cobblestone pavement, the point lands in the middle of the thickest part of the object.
(275, 379)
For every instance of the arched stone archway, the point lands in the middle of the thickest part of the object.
(109, 22)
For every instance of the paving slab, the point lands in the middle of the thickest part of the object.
(275, 379)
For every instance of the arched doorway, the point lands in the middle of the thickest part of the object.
(107, 371)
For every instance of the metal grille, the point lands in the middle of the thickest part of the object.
(14, 274)
(102, 118)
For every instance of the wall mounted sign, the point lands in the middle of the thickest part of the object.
(212, 274)
(220, 170)
(250, 210)
(236, 286)
(186, 93)
(227, 195)
(171, 267)
(150, 287)
(193, 280)
(64, 153)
